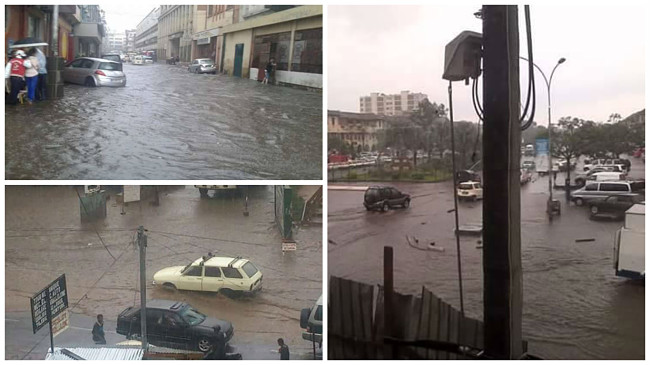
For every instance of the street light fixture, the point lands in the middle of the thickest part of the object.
(549, 204)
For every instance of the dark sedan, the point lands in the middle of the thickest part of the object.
(176, 325)
(613, 206)
(385, 197)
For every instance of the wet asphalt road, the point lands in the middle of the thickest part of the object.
(45, 239)
(574, 305)
(168, 124)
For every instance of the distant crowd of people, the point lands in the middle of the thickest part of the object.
(25, 76)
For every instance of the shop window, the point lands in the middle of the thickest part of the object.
(308, 51)
(272, 46)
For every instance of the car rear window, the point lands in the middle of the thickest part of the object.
(115, 58)
(110, 66)
(371, 195)
(614, 187)
(464, 186)
(250, 269)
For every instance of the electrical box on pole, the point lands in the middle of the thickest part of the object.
(463, 57)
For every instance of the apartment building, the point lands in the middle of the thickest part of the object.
(393, 104)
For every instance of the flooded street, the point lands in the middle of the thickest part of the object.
(168, 124)
(44, 238)
(574, 305)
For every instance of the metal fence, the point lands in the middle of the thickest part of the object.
(357, 330)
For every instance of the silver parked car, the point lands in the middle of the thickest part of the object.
(202, 66)
(94, 72)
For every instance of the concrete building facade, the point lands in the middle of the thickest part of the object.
(129, 40)
(394, 104)
(146, 33)
(207, 41)
(293, 35)
(115, 42)
(175, 30)
(360, 130)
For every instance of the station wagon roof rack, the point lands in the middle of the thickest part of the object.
(234, 260)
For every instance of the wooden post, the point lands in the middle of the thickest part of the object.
(388, 296)
(502, 289)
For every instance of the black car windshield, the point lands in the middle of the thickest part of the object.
(192, 316)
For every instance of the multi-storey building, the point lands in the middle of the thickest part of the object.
(292, 35)
(175, 30)
(395, 104)
(129, 40)
(115, 42)
(359, 130)
(146, 33)
(207, 41)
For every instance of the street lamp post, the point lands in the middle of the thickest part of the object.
(549, 204)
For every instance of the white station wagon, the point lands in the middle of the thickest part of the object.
(230, 275)
(470, 190)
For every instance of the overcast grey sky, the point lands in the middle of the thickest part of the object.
(122, 16)
(391, 48)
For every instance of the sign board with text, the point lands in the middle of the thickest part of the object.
(53, 298)
(288, 246)
(60, 323)
(541, 146)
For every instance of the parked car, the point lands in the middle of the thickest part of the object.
(614, 206)
(607, 176)
(384, 198)
(147, 59)
(601, 190)
(202, 66)
(311, 319)
(590, 164)
(583, 178)
(175, 325)
(138, 60)
(525, 176)
(112, 57)
(528, 165)
(94, 72)
(228, 275)
(470, 190)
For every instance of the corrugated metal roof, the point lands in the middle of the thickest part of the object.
(97, 353)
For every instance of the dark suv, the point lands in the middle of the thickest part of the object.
(112, 57)
(176, 325)
(385, 197)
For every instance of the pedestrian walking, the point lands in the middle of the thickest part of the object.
(31, 75)
(98, 331)
(15, 73)
(268, 70)
(283, 350)
(41, 89)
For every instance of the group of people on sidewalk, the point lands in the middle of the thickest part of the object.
(26, 70)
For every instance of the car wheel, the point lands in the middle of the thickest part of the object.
(594, 210)
(170, 286)
(384, 208)
(204, 344)
(90, 82)
(579, 202)
(407, 202)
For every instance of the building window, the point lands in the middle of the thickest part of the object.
(34, 27)
(308, 51)
(211, 10)
(272, 46)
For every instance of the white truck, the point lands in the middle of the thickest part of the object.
(629, 245)
(311, 320)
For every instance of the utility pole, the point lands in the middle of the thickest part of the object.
(142, 244)
(502, 289)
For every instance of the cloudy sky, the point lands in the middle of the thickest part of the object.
(391, 48)
(122, 16)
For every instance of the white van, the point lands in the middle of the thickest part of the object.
(311, 319)
(606, 176)
(629, 245)
(601, 190)
(138, 60)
